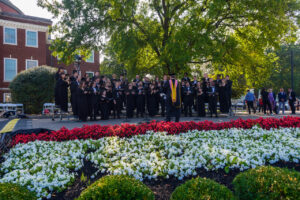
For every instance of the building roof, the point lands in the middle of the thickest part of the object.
(8, 3)
(21, 16)
(27, 17)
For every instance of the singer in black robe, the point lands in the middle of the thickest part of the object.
(130, 101)
(104, 108)
(95, 101)
(73, 88)
(223, 99)
(173, 107)
(140, 100)
(188, 99)
(82, 102)
(63, 93)
(56, 89)
(201, 97)
(89, 97)
(152, 101)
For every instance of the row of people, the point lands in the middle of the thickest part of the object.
(269, 100)
(100, 96)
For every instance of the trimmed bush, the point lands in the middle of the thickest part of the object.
(267, 183)
(201, 189)
(119, 187)
(9, 191)
(33, 88)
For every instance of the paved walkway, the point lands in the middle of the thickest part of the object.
(70, 124)
(3, 122)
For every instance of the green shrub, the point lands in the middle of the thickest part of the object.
(9, 191)
(201, 189)
(267, 183)
(33, 88)
(119, 187)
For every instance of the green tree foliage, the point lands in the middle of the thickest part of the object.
(161, 36)
(281, 74)
(33, 88)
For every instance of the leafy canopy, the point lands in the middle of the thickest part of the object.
(161, 36)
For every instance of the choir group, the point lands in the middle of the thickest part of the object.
(101, 96)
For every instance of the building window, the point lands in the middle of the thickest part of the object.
(32, 38)
(7, 98)
(90, 58)
(10, 36)
(31, 63)
(91, 74)
(10, 69)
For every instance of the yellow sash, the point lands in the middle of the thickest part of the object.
(173, 90)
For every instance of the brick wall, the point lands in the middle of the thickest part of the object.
(21, 53)
(84, 66)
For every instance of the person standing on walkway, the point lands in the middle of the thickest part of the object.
(250, 99)
(265, 100)
(82, 101)
(272, 101)
(229, 93)
(173, 100)
(281, 99)
(292, 100)
(188, 99)
(212, 99)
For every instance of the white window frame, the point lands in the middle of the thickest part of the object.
(90, 72)
(31, 60)
(37, 39)
(93, 53)
(4, 97)
(16, 36)
(4, 68)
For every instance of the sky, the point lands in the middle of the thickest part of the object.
(29, 7)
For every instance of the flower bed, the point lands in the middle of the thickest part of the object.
(46, 167)
(127, 130)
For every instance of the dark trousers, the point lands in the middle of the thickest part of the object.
(265, 104)
(201, 109)
(74, 104)
(250, 106)
(95, 110)
(292, 105)
(187, 108)
(117, 108)
(104, 111)
(163, 106)
(173, 111)
(212, 103)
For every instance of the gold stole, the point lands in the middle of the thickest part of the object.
(173, 90)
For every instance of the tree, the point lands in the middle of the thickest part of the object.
(281, 75)
(164, 36)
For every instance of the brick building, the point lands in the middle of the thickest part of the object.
(24, 43)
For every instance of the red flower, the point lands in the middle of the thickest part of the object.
(172, 128)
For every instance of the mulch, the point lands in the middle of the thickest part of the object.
(162, 188)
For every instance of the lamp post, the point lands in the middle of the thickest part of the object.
(78, 60)
(292, 69)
